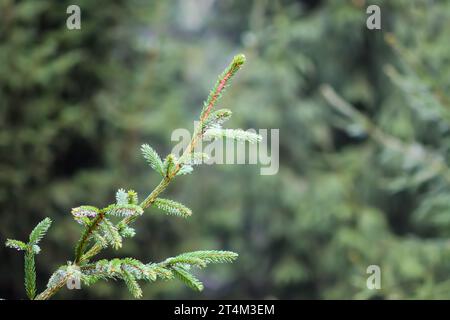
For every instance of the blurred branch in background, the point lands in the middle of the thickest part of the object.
(413, 153)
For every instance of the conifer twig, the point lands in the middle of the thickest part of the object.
(213, 97)
(99, 228)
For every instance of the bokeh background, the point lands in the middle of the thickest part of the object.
(364, 173)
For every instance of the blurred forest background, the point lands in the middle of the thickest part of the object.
(364, 121)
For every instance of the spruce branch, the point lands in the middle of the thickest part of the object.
(88, 232)
(195, 158)
(133, 197)
(152, 158)
(30, 275)
(427, 157)
(125, 231)
(234, 134)
(83, 214)
(121, 197)
(55, 284)
(100, 231)
(131, 283)
(211, 256)
(161, 272)
(39, 231)
(221, 84)
(124, 210)
(189, 279)
(31, 249)
(185, 169)
(111, 234)
(201, 258)
(169, 166)
(16, 244)
(172, 207)
(58, 280)
(217, 119)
